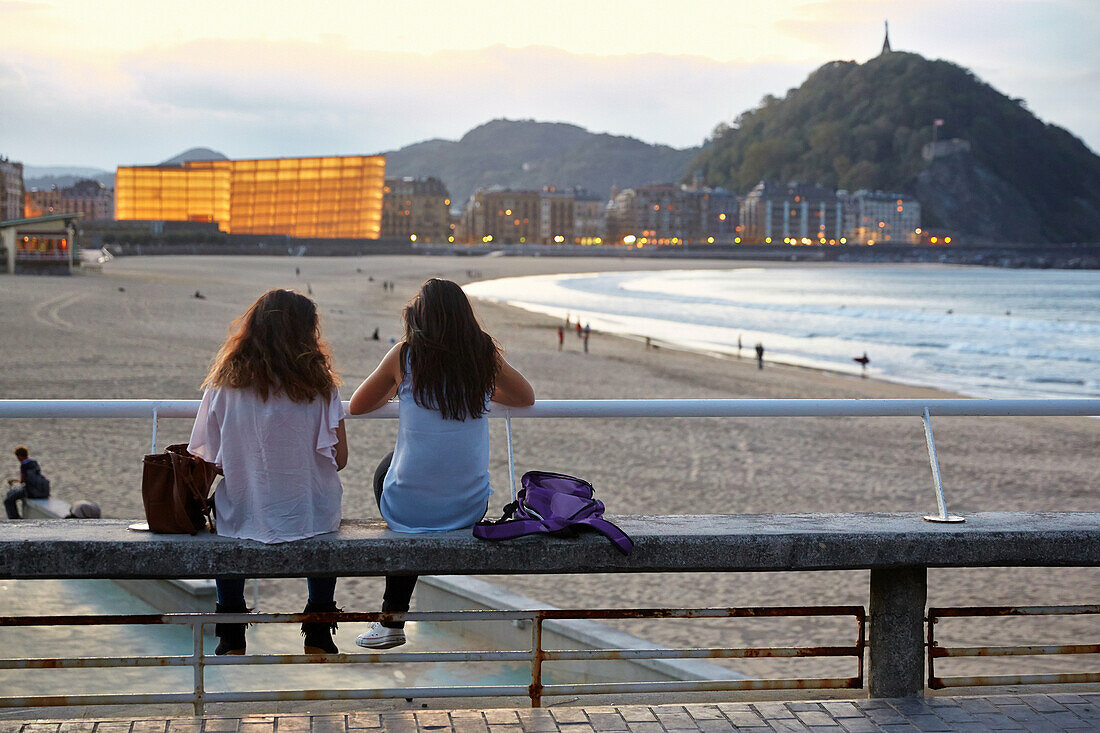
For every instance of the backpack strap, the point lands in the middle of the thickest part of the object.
(507, 529)
(611, 531)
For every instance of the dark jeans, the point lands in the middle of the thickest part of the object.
(11, 501)
(399, 588)
(231, 592)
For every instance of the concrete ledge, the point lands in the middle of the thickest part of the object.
(172, 595)
(48, 508)
(106, 549)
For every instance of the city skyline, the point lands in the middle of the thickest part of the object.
(118, 83)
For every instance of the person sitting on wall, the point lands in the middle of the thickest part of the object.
(31, 484)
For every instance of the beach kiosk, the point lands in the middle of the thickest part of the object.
(42, 245)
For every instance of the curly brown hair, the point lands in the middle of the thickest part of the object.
(276, 347)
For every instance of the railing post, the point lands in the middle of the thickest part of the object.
(943, 516)
(535, 691)
(897, 601)
(153, 447)
(511, 455)
(197, 659)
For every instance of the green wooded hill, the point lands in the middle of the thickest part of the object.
(525, 154)
(855, 126)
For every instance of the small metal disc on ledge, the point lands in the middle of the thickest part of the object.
(949, 519)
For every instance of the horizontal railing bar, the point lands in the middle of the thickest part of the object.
(420, 657)
(964, 611)
(187, 619)
(1014, 651)
(1066, 678)
(470, 615)
(777, 652)
(92, 620)
(148, 698)
(408, 657)
(619, 408)
(716, 612)
(92, 662)
(366, 694)
(605, 688)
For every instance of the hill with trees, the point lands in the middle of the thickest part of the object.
(525, 154)
(853, 126)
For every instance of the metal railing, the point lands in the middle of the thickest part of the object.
(537, 656)
(924, 409)
(935, 651)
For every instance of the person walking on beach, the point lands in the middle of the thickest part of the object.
(31, 484)
(759, 355)
(863, 361)
(561, 337)
(738, 346)
(271, 418)
(580, 331)
(444, 373)
(584, 337)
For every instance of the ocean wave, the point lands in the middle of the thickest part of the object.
(898, 315)
(914, 323)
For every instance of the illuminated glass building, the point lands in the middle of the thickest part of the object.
(338, 196)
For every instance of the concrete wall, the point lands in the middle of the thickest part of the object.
(169, 596)
(462, 593)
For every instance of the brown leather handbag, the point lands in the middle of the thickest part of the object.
(175, 489)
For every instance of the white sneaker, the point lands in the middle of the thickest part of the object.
(380, 637)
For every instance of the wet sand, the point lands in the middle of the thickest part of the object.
(135, 330)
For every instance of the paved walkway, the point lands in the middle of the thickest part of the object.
(1061, 712)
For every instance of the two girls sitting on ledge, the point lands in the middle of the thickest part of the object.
(272, 419)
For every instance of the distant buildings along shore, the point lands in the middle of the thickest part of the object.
(349, 197)
(335, 196)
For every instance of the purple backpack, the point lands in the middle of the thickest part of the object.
(553, 503)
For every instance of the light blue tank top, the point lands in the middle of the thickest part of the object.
(439, 477)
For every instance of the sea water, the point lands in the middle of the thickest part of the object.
(978, 331)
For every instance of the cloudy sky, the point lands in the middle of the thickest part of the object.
(107, 82)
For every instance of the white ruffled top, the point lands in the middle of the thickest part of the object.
(279, 461)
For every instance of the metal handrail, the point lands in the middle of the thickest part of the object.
(936, 651)
(660, 408)
(952, 407)
(536, 654)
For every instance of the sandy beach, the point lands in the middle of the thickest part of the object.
(135, 330)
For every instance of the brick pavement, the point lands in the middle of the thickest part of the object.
(1037, 713)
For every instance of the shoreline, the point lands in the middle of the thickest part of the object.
(628, 317)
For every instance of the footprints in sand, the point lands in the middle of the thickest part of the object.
(48, 313)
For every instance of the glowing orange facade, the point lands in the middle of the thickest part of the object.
(339, 196)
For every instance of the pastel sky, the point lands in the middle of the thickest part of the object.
(107, 82)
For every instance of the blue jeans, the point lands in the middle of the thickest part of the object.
(11, 501)
(231, 592)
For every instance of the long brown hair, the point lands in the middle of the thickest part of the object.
(276, 347)
(454, 362)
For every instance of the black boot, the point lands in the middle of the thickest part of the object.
(230, 636)
(318, 635)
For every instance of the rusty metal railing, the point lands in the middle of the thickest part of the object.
(536, 655)
(935, 651)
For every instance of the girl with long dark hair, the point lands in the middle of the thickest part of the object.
(272, 419)
(444, 373)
